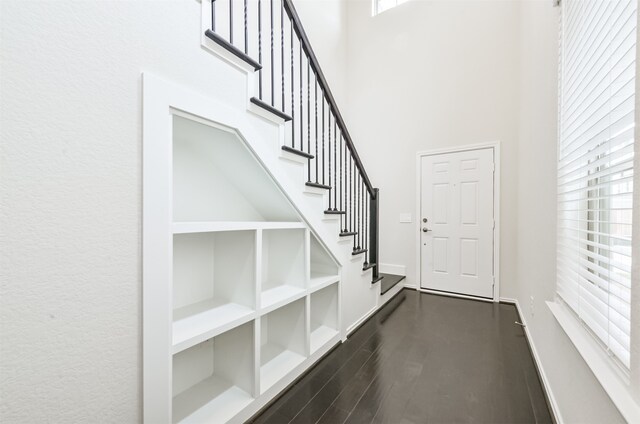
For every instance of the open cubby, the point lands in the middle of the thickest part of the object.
(214, 380)
(213, 283)
(283, 265)
(216, 178)
(324, 269)
(283, 345)
(324, 316)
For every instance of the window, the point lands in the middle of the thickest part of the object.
(380, 6)
(595, 167)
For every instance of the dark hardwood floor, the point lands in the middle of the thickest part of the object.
(422, 359)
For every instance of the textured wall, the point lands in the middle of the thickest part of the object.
(70, 223)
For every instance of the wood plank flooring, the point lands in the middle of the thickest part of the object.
(422, 359)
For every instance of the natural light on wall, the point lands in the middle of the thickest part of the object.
(380, 6)
(595, 167)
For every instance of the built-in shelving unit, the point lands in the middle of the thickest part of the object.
(253, 295)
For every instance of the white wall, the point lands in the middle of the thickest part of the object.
(427, 75)
(325, 22)
(70, 211)
(579, 395)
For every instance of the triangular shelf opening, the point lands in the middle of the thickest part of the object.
(216, 178)
(323, 268)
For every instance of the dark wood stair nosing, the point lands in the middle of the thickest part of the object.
(368, 266)
(348, 233)
(232, 49)
(378, 278)
(297, 152)
(266, 106)
(317, 185)
(334, 212)
(359, 251)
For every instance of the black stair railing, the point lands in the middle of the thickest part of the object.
(292, 86)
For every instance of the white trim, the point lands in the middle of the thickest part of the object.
(449, 294)
(495, 145)
(393, 269)
(359, 322)
(553, 403)
(611, 377)
(411, 286)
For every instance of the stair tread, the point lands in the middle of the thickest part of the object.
(367, 266)
(334, 212)
(317, 185)
(256, 101)
(359, 251)
(348, 233)
(232, 49)
(389, 281)
(297, 152)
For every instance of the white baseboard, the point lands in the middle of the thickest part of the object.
(393, 269)
(553, 404)
(365, 317)
(411, 286)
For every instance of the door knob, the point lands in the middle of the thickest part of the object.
(425, 229)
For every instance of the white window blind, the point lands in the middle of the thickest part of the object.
(595, 166)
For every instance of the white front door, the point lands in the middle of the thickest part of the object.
(457, 222)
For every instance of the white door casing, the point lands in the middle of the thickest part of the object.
(457, 200)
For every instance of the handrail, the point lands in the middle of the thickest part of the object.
(306, 45)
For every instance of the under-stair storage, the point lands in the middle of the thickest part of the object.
(213, 284)
(283, 343)
(283, 266)
(324, 316)
(215, 379)
(227, 296)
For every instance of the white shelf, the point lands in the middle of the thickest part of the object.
(318, 282)
(213, 400)
(215, 226)
(214, 380)
(278, 362)
(198, 322)
(321, 336)
(279, 296)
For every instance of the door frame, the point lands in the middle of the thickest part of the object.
(495, 145)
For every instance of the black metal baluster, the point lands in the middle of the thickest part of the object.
(335, 165)
(231, 21)
(329, 146)
(344, 188)
(315, 98)
(282, 50)
(340, 184)
(301, 98)
(272, 67)
(293, 109)
(357, 200)
(260, 48)
(353, 203)
(246, 34)
(213, 15)
(309, 118)
(364, 238)
(323, 155)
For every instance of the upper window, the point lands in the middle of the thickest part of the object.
(380, 6)
(595, 167)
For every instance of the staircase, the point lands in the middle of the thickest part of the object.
(268, 38)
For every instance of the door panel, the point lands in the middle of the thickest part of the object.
(457, 201)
